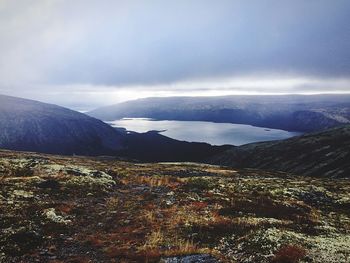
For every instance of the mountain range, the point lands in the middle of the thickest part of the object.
(303, 113)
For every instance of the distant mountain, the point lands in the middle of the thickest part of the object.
(29, 125)
(323, 154)
(290, 112)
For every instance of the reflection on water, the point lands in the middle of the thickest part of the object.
(202, 131)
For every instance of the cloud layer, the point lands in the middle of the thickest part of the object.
(48, 46)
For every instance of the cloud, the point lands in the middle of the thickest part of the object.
(88, 96)
(122, 45)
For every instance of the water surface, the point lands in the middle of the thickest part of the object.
(203, 131)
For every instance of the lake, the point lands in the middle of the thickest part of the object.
(202, 131)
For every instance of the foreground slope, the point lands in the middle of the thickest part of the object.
(290, 112)
(65, 209)
(35, 126)
(323, 154)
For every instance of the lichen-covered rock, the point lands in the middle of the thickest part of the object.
(200, 258)
(23, 194)
(51, 214)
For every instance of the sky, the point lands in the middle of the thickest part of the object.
(88, 53)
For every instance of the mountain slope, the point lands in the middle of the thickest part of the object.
(154, 147)
(35, 126)
(323, 154)
(292, 112)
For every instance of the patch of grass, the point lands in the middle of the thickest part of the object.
(289, 254)
(199, 184)
(264, 206)
(21, 172)
(156, 181)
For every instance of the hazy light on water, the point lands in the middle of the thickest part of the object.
(200, 131)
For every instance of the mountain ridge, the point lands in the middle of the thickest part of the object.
(30, 125)
(303, 113)
(319, 154)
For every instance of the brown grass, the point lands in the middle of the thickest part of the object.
(152, 181)
(289, 254)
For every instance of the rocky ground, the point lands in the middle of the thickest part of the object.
(72, 209)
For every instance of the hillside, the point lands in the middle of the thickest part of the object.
(323, 154)
(35, 126)
(74, 209)
(154, 147)
(290, 112)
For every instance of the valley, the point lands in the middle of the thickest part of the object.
(28, 125)
(174, 131)
(96, 193)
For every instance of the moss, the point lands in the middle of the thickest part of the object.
(199, 184)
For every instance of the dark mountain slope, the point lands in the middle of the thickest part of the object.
(154, 147)
(293, 113)
(324, 154)
(34, 126)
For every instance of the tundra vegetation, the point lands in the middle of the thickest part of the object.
(74, 209)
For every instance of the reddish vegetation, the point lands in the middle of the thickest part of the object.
(199, 205)
(289, 254)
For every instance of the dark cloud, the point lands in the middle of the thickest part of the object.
(144, 43)
(159, 42)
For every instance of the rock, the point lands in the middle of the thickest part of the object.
(23, 194)
(52, 184)
(198, 258)
(50, 213)
(23, 241)
(316, 197)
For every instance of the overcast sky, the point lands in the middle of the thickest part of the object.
(88, 53)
